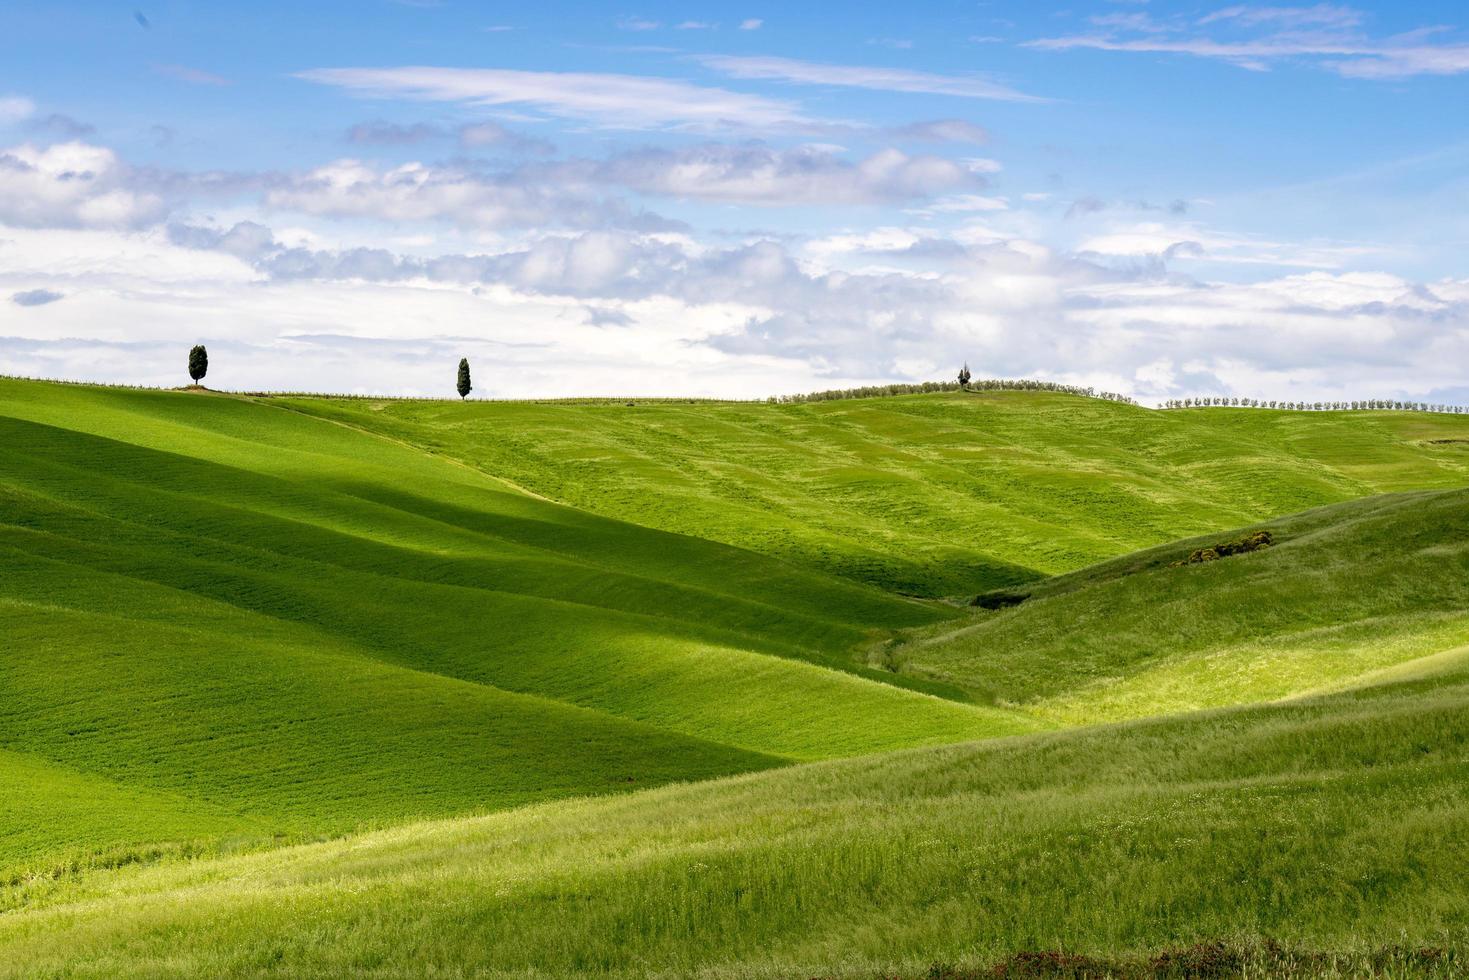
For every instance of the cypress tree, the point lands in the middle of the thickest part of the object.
(198, 362)
(964, 376)
(464, 386)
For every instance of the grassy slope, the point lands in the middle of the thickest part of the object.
(1117, 841)
(238, 621)
(932, 494)
(300, 628)
(1348, 590)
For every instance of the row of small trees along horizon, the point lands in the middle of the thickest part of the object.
(1370, 404)
(199, 367)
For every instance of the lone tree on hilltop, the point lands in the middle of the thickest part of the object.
(964, 375)
(198, 362)
(463, 385)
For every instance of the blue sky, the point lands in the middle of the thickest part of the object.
(1167, 199)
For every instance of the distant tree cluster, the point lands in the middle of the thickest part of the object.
(1377, 404)
(986, 384)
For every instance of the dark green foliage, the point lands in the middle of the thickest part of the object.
(926, 387)
(198, 363)
(462, 385)
(999, 599)
(964, 376)
(1241, 546)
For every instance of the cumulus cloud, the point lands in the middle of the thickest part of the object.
(617, 312)
(415, 192)
(582, 193)
(71, 185)
(246, 240)
(603, 100)
(758, 174)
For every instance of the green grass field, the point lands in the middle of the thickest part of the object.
(1347, 592)
(313, 687)
(931, 495)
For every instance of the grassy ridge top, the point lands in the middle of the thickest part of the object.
(1345, 592)
(1116, 842)
(938, 494)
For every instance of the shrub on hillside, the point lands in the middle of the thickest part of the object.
(1250, 542)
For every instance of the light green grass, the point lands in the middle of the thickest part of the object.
(938, 494)
(1337, 824)
(1347, 592)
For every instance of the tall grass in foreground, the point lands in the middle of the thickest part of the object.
(1338, 825)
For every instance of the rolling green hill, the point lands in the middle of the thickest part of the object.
(1346, 591)
(1337, 827)
(296, 628)
(940, 494)
(313, 686)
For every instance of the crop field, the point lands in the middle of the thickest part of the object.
(309, 687)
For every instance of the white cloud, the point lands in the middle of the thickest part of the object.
(14, 108)
(804, 175)
(751, 24)
(1194, 242)
(968, 202)
(674, 316)
(1325, 34)
(854, 76)
(71, 185)
(419, 192)
(602, 100)
(1319, 15)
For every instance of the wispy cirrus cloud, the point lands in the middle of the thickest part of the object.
(865, 77)
(608, 101)
(1256, 38)
(1320, 15)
